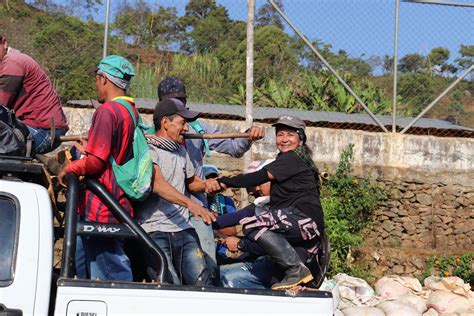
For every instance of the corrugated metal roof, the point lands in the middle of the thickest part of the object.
(313, 118)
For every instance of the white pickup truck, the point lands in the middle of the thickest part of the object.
(30, 286)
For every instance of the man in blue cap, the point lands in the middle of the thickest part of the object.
(110, 135)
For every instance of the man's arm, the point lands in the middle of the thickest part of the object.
(10, 86)
(165, 190)
(198, 185)
(195, 184)
(235, 147)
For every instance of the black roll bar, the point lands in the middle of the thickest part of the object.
(67, 271)
(69, 245)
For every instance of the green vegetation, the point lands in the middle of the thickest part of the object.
(348, 204)
(207, 49)
(455, 265)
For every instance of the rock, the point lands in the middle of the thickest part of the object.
(393, 203)
(448, 232)
(425, 233)
(387, 226)
(409, 227)
(409, 269)
(397, 232)
(408, 195)
(461, 200)
(390, 213)
(418, 263)
(447, 219)
(424, 199)
(395, 194)
(402, 212)
(398, 269)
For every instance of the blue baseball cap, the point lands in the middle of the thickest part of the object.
(208, 170)
(117, 66)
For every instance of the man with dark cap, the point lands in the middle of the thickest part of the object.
(197, 148)
(110, 136)
(165, 216)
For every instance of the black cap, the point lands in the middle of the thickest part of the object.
(173, 106)
(291, 121)
(171, 88)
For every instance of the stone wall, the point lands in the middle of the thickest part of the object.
(430, 181)
(425, 216)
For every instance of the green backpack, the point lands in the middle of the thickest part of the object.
(134, 177)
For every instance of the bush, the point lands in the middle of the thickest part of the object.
(348, 203)
(455, 265)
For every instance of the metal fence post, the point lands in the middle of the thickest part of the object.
(249, 86)
(395, 69)
(106, 29)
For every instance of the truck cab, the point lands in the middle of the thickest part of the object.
(30, 286)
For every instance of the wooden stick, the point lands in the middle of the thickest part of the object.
(70, 138)
(216, 136)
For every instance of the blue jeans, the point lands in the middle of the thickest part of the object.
(102, 258)
(42, 138)
(208, 244)
(248, 275)
(186, 263)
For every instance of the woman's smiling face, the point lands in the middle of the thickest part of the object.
(287, 139)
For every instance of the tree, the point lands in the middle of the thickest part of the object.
(206, 25)
(68, 49)
(387, 64)
(467, 56)
(131, 22)
(79, 8)
(164, 29)
(273, 57)
(148, 28)
(374, 62)
(438, 58)
(416, 91)
(267, 15)
(412, 63)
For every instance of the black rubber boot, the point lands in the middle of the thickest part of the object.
(284, 255)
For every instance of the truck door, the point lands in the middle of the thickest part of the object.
(25, 248)
(9, 229)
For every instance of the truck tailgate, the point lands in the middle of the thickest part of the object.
(80, 297)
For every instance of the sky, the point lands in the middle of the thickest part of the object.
(363, 28)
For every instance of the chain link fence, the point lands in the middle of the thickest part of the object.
(204, 43)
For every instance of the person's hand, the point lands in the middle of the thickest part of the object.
(231, 243)
(222, 185)
(256, 133)
(199, 211)
(62, 178)
(212, 186)
(81, 145)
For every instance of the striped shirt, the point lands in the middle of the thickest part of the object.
(111, 133)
